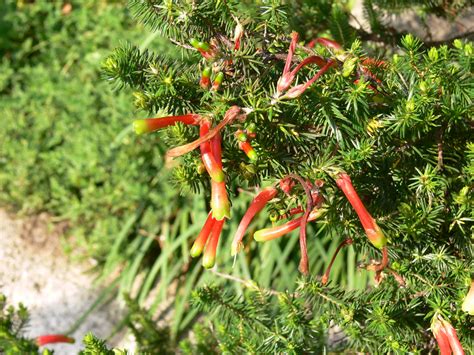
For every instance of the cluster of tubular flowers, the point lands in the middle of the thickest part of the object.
(343, 181)
(446, 337)
(209, 143)
(211, 52)
(288, 75)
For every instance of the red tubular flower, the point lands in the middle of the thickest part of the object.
(266, 234)
(286, 79)
(255, 207)
(297, 90)
(446, 337)
(203, 236)
(220, 203)
(453, 339)
(209, 257)
(53, 338)
(213, 168)
(205, 81)
(154, 124)
(248, 150)
(373, 231)
(441, 338)
(216, 149)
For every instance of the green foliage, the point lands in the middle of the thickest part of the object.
(400, 129)
(12, 323)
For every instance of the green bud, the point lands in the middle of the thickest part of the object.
(433, 54)
(348, 67)
(194, 42)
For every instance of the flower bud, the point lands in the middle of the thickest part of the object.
(248, 150)
(217, 81)
(212, 166)
(205, 81)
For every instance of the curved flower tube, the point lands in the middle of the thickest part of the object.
(53, 338)
(209, 257)
(373, 231)
(266, 234)
(203, 236)
(148, 125)
(255, 207)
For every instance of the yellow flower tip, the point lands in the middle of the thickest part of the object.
(208, 261)
(140, 126)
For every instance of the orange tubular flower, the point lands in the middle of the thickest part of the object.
(255, 207)
(53, 338)
(248, 150)
(373, 231)
(297, 90)
(286, 79)
(266, 234)
(209, 257)
(203, 236)
(441, 338)
(446, 337)
(220, 203)
(213, 168)
(154, 124)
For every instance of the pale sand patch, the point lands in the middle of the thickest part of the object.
(35, 271)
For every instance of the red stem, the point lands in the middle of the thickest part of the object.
(325, 277)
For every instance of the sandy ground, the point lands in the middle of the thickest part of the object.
(35, 271)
